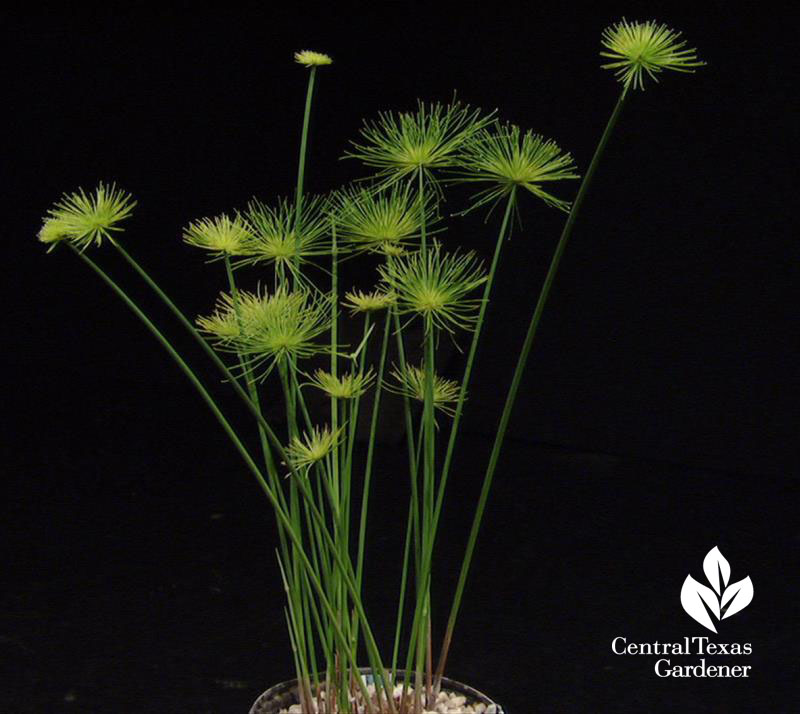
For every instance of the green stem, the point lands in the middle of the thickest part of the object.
(401, 599)
(301, 164)
(427, 491)
(429, 462)
(517, 378)
(335, 347)
(362, 528)
(409, 422)
(473, 349)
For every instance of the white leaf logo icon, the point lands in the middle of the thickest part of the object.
(716, 568)
(739, 595)
(701, 602)
(693, 595)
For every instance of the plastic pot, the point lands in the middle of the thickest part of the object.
(283, 695)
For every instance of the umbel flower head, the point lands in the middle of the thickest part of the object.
(233, 316)
(83, 219)
(269, 327)
(308, 58)
(436, 285)
(410, 382)
(280, 239)
(637, 48)
(380, 220)
(398, 144)
(343, 386)
(505, 158)
(220, 236)
(358, 301)
(306, 450)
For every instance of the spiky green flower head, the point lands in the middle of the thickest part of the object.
(400, 144)
(220, 236)
(231, 315)
(285, 325)
(342, 386)
(83, 219)
(312, 447)
(410, 382)
(645, 47)
(269, 327)
(309, 58)
(358, 301)
(283, 241)
(381, 220)
(437, 286)
(506, 158)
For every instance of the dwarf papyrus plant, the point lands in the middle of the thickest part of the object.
(273, 333)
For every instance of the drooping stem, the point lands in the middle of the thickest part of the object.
(215, 358)
(522, 361)
(277, 503)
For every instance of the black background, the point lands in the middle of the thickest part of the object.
(657, 419)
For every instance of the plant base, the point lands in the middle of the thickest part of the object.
(466, 700)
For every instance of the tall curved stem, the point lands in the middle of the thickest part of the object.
(522, 361)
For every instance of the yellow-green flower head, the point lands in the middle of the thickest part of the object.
(283, 325)
(221, 235)
(83, 219)
(231, 315)
(280, 239)
(505, 158)
(270, 327)
(410, 382)
(645, 47)
(377, 220)
(358, 301)
(312, 447)
(343, 386)
(222, 325)
(312, 59)
(400, 144)
(436, 285)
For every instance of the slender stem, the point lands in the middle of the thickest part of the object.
(401, 599)
(409, 423)
(517, 378)
(429, 456)
(473, 349)
(429, 460)
(362, 528)
(335, 347)
(301, 163)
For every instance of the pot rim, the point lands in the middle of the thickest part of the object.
(278, 695)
